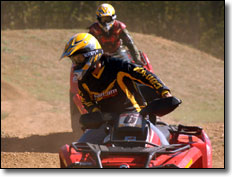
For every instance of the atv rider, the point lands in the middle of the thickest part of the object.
(106, 83)
(111, 33)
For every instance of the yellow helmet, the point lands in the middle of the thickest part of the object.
(86, 45)
(106, 16)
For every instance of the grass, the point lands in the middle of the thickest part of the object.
(23, 58)
(191, 116)
(4, 115)
(6, 49)
(195, 110)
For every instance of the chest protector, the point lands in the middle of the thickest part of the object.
(110, 41)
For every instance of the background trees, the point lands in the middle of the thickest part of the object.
(196, 23)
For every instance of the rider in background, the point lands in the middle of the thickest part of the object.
(106, 83)
(112, 33)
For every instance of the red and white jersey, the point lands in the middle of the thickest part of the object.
(110, 42)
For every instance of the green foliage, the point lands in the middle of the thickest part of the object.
(197, 23)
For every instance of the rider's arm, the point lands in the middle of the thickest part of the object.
(91, 31)
(127, 40)
(89, 105)
(143, 76)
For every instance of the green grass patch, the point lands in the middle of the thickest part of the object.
(4, 115)
(204, 112)
(23, 58)
(6, 49)
(4, 42)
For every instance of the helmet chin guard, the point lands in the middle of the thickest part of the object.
(107, 26)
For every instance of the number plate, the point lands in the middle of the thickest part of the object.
(130, 120)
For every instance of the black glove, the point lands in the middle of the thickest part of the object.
(91, 120)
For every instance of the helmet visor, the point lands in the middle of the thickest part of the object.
(106, 19)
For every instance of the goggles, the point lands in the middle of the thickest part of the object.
(106, 19)
(80, 59)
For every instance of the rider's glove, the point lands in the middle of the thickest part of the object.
(166, 93)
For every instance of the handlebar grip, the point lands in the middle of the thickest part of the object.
(92, 120)
(161, 106)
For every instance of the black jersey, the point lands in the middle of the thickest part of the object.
(112, 90)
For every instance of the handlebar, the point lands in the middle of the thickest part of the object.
(161, 106)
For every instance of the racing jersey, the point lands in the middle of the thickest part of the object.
(111, 41)
(112, 89)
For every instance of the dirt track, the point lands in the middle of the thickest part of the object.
(33, 130)
(35, 142)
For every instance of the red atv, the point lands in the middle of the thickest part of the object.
(132, 141)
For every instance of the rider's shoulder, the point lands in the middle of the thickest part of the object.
(114, 61)
(111, 59)
(95, 28)
(93, 25)
(119, 24)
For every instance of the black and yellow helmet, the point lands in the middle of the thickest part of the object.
(106, 15)
(88, 47)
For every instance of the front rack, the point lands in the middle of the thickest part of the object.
(184, 130)
(98, 150)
